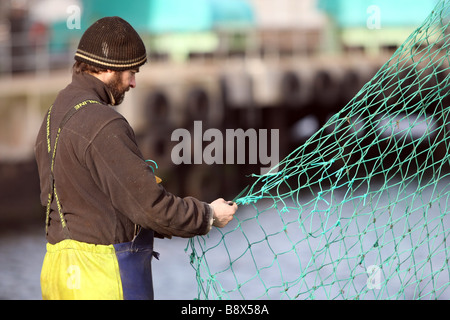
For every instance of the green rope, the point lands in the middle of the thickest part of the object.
(360, 210)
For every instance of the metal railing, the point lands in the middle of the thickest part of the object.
(26, 53)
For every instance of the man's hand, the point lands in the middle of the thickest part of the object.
(223, 212)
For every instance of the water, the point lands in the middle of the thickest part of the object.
(22, 252)
(22, 249)
(366, 235)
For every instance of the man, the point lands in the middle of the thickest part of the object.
(104, 203)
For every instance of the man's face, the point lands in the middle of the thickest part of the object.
(120, 82)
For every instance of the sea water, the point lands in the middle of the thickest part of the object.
(22, 251)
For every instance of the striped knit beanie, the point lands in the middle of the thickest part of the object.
(111, 43)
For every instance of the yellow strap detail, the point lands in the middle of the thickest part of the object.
(52, 190)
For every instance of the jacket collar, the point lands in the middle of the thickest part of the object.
(88, 82)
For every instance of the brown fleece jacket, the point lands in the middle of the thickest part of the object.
(103, 183)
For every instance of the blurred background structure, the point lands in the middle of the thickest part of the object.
(286, 64)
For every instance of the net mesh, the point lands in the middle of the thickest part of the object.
(360, 210)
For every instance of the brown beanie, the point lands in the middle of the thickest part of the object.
(111, 43)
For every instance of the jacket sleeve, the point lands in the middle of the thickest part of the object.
(117, 166)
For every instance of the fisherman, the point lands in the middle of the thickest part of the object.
(104, 203)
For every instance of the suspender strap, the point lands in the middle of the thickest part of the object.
(52, 190)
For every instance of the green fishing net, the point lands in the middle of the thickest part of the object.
(359, 211)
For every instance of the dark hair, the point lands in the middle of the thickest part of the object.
(79, 67)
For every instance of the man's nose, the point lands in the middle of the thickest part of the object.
(133, 82)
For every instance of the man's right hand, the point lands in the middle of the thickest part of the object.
(223, 212)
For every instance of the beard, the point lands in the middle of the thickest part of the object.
(116, 89)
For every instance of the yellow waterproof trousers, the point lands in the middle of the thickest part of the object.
(74, 270)
(77, 270)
